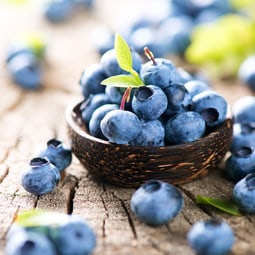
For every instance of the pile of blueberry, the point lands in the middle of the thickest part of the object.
(50, 233)
(44, 170)
(57, 11)
(170, 107)
(240, 164)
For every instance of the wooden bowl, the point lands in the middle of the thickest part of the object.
(130, 166)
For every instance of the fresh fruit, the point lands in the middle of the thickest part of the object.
(57, 153)
(158, 71)
(246, 72)
(194, 87)
(96, 118)
(149, 102)
(212, 106)
(120, 126)
(29, 243)
(36, 232)
(156, 203)
(240, 163)
(90, 80)
(40, 176)
(73, 237)
(152, 134)
(211, 237)
(184, 127)
(244, 192)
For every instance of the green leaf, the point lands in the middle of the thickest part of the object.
(35, 218)
(123, 81)
(123, 53)
(223, 205)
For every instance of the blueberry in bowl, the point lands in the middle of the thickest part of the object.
(136, 143)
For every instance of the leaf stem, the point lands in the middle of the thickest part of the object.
(149, 55)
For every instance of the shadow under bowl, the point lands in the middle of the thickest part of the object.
(130, 166)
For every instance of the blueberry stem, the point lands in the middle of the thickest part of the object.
(149, 55)
(125, 98)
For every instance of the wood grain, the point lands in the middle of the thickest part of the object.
(30, 118)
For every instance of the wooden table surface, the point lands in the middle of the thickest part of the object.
(30, 118)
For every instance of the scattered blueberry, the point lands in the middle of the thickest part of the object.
(25, 70)
(211, 237)
(240, 163)
(184, 127)
(40, 176)
(29, 243)
(156, 202)
(73, 237)
(244, 192)
(247, 72)
(57, 153)
(120, 126)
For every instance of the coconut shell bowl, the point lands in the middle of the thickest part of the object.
(130, 166)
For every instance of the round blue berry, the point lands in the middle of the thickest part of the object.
(244, 193)
(156, 202)
(149, 102)
(73, 237)
(211, 237)
(184, 127)
(57, 153)
(120, 126)
(40, 176)
(29, 243)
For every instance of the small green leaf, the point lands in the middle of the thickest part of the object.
(123, 53)
(123, 81)
(35, 218)
(223, 205)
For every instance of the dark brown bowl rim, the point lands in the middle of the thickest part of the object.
(74, 120)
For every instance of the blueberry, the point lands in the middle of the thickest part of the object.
(57, 153)
(152, 134)
(243, 136)
(91, 79)
(114, 94)
(211, 237)
(244, 192)
(156, 203)
(240, 163)
(97, 116)
(110, 64)
(88, 4)
(184, 127)
(175, 32)
(182, 76)
(246, 72)
(120, 126)
(25, 70)
(212, 106)
(40, 176)
(161, 73)
(17, 49)
(91, 104)
(74, 237)
(195, 87)
(178, 99)
(149, 102)
(29, 243)
(145, 37)
(243, 109)
(58, 10)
